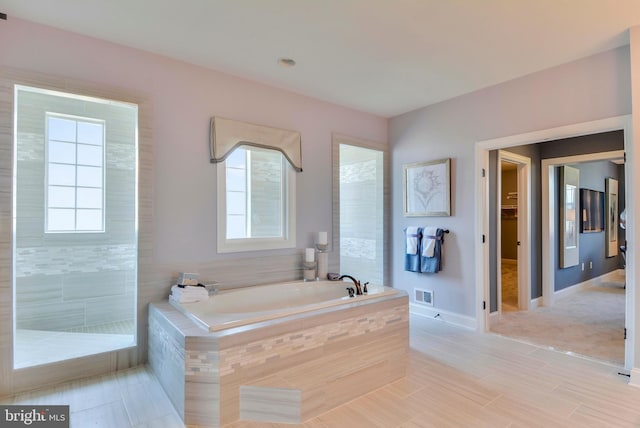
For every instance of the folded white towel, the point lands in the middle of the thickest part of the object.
(428, 243)
(187, 299)
(188, 294)
(189, 290)
(412, 240)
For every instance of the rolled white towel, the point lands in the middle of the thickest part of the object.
(412, 240)
(187, 299)
(428, 243)
(189, 291)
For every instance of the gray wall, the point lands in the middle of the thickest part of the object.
(593, 88)
(68, 281)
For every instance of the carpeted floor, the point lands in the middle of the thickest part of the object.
(589, 322)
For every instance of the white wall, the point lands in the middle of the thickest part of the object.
(184, 97)
(588, 89)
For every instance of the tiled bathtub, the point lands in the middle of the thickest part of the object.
(279, 369)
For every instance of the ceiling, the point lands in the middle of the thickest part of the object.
(384, 57)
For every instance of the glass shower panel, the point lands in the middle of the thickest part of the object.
(75, 236)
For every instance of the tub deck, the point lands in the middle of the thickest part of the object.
(302, 364)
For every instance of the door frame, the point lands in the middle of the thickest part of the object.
(482, 149)
(523, 164)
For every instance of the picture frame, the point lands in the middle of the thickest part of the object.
(611, 216)
(427, 188)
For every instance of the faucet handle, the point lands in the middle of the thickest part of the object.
(351, 291)
(364, 288)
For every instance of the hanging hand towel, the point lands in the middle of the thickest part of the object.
(412, 240)
(429, 241)
(433, 264)
(411, 256)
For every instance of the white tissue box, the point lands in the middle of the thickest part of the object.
(187, 278)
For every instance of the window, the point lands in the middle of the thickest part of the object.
(75, 174)
(256, 206)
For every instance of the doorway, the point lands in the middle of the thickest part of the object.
(513, 232)
(483, 214)
(509, 243)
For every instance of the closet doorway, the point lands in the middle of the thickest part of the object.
(513, 229)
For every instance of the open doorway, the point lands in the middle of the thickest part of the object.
(543, 290)
(508, 236)
(513, 232)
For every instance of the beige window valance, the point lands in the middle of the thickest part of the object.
(226, 134)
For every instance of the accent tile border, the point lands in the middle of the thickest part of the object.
(260, 351)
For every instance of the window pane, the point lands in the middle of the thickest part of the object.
(90, 133)
(62, 152)
(236, 203)
(89, 155)
(236, 227)
(236, 180)
(236, 159)
(89, 220)
(64, 175)
(266, 194)
(62, 129)
(89, 198)
(89, 176)
(61, 197)
(60, 219)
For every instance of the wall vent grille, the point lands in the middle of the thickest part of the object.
(424, 296)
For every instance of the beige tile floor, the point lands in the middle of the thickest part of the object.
(456, 378)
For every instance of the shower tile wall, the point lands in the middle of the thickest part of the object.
(74, 280)
(359, 185)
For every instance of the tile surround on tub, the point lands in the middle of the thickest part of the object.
(343, 352)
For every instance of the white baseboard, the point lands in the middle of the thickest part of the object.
(588, 283)
(448, 317)
(634, 378)
(535, 303)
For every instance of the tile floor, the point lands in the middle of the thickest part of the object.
(456, 378)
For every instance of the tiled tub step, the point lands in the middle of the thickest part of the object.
(266, 404)
(304, 392)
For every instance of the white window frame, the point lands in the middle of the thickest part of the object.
(288, 240)
(76, 164)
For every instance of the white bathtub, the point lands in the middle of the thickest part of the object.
(249, 305)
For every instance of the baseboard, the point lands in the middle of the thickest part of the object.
(634, 378)
(586, 284)
(448, 317)
(509, 261)
(535, 303)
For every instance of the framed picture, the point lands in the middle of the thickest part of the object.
(427, 188)
(611, 216)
